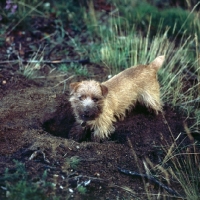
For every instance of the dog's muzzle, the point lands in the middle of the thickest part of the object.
(88, 114)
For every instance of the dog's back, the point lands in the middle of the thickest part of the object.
(134, 84)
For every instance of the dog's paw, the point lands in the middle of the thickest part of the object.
(77, 133)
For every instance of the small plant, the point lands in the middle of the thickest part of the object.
(70, 12)
(17, 15)
(73, 162)
(81, 189)
(19, 187)
(63, 68)
(76, 69)
(80, 70)
(9, 9)
(31, 69)
(11, 6)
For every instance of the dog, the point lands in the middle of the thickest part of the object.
(98, 105)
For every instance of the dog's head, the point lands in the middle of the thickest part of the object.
(87, 99)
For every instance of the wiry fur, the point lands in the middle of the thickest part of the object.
(98, 105)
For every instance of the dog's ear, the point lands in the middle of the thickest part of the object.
(73, 87)
(104, 90)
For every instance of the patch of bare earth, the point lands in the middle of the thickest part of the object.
(37, 119)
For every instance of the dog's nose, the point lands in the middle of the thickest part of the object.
(86, 112)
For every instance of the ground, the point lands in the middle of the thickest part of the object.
(36, 117)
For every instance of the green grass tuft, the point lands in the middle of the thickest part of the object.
(19, 187)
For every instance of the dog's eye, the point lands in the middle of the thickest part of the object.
(81, 98)
(95, 99)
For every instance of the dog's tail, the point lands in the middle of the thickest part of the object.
(158, 62)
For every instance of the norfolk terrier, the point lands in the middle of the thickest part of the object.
(98, 105)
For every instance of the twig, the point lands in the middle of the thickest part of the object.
(151, 178)
(36, 153)
(64, 81)
(84, 61)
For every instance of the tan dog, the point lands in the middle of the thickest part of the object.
(97, 105)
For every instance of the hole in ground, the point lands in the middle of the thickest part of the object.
(60, 122)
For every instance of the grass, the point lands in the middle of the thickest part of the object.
(20, 17)
(18, 186)
(141, 13)
(73, 162)
(181, 167)
(31, 69)
(82, 189)
(74, 68)
(178, 167)
(184, 169)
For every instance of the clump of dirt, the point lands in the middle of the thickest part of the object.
(36, 121)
